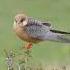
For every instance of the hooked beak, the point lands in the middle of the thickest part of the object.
(14, 25)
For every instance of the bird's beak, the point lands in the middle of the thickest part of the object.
(14, 24)
(24, 23)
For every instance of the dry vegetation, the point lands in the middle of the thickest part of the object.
(24, 62)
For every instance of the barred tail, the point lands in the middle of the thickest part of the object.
(64, 39)
(58, 37)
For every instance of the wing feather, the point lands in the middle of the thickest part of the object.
(36, 29)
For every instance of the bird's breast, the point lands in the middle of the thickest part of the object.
(21, 33)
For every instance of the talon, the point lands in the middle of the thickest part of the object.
(28, 46)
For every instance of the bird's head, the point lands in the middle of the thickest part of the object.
(20, 19)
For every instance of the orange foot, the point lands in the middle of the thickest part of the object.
(28, 46)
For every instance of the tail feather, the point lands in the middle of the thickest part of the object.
(64, 39)
(58, 36)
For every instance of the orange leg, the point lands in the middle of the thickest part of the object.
(28, 46)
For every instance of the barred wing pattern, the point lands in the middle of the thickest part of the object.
(36, 29)
(41, 31)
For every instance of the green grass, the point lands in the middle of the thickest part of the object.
(57, 11)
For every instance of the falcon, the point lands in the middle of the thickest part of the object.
(35, 31)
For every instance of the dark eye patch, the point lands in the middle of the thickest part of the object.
(21, 20)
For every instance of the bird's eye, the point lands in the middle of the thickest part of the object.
(21, 20)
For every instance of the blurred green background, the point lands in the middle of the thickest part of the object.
(56, 11)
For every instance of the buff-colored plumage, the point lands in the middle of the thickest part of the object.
(19, 28)
(34, 31)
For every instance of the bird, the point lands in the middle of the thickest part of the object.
(33, 30)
